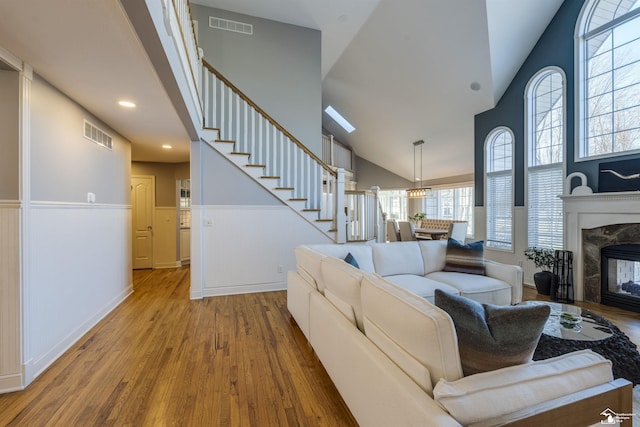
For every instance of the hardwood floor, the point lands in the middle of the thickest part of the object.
(160, 359)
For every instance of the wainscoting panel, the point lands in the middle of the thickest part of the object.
(248, 248)
(10, 371)
(80, 270)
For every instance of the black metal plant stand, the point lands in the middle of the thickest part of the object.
(562, 286)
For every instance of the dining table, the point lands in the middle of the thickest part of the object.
(430, 233)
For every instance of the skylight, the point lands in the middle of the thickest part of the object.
(339, 119)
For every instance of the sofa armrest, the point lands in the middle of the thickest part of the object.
(511, 274)
(575, 410)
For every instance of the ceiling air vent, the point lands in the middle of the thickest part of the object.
(229, 25)
(97, 135)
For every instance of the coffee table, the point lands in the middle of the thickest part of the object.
(596, 333)
(587, 329)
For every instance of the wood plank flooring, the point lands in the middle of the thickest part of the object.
(160, 359)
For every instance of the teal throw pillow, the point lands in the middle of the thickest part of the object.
(491, 336)
(349, 259)
(463, 258)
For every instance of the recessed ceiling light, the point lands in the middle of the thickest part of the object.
(167, 146)
(339, 119)
(126, 104)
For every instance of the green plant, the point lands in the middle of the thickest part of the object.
(417, 217)
(541, 257)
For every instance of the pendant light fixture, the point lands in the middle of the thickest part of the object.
(418, 192)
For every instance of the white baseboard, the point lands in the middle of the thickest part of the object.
(243, 289)
(9, 383)
(160, 265)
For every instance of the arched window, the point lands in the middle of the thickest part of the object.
(499, 188)
(545, 117)
(608, 78)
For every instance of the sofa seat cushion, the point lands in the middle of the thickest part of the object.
(360, 252)
(398, 258)
(490, 336)
(493, 394)
(483, 289)
(421, 286)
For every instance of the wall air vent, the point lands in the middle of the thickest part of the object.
(97, 135)
(229, 25)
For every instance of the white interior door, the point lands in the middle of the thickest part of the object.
(142, 202)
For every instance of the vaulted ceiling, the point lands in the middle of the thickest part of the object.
(400, 71)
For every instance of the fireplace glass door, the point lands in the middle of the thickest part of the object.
(621, 276)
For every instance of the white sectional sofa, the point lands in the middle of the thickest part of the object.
(393, 355)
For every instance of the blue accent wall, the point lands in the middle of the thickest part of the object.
(554, 48)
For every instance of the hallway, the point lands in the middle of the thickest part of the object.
(162, 359)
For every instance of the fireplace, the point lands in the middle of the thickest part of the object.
(593, 222)
(620, 272)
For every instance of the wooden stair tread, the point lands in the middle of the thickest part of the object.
(254, 165)
(270, 177)
(284, 188)
(240, 153)
(298, 199)
(324, 220)
(311, 210)
(229, 141)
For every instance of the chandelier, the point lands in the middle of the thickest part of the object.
(418, 192)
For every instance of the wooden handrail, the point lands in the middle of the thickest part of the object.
(268, 117)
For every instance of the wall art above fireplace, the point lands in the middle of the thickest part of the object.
(623, 175)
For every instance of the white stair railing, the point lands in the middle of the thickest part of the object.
(239, 119)
(363, 215)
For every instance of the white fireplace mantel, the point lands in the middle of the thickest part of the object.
(590, 211)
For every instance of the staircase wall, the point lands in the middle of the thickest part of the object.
(242, 236)
(279, 67)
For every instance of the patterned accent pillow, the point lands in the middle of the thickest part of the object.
(349, 259)
(490, 336)
(463, 258)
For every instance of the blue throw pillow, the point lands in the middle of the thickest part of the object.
(463, 258)
(349, 259)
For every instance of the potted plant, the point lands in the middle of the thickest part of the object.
(417, 218)
(543, 259)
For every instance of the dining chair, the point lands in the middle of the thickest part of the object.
(407, 232)
(458, 231)
(393, 235)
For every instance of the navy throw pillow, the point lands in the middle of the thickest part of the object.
(349, 259)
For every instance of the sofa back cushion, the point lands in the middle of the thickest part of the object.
(308, 264)
(434, 255)
(398, 258)
(342, 282)
(360, 252)
(418, 336)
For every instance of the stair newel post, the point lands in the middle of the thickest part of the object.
(340, 215)
(377, 220)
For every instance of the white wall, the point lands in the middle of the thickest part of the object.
(80, 270)
(77, 257)
(279, 67)
(247, 248)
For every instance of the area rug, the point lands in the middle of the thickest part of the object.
(618, 348)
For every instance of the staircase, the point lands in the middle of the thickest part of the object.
(259, 146)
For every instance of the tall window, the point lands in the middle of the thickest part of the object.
(394, 204)
(608, 37)
(545, 153)
(499, 188)
(451, 203)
